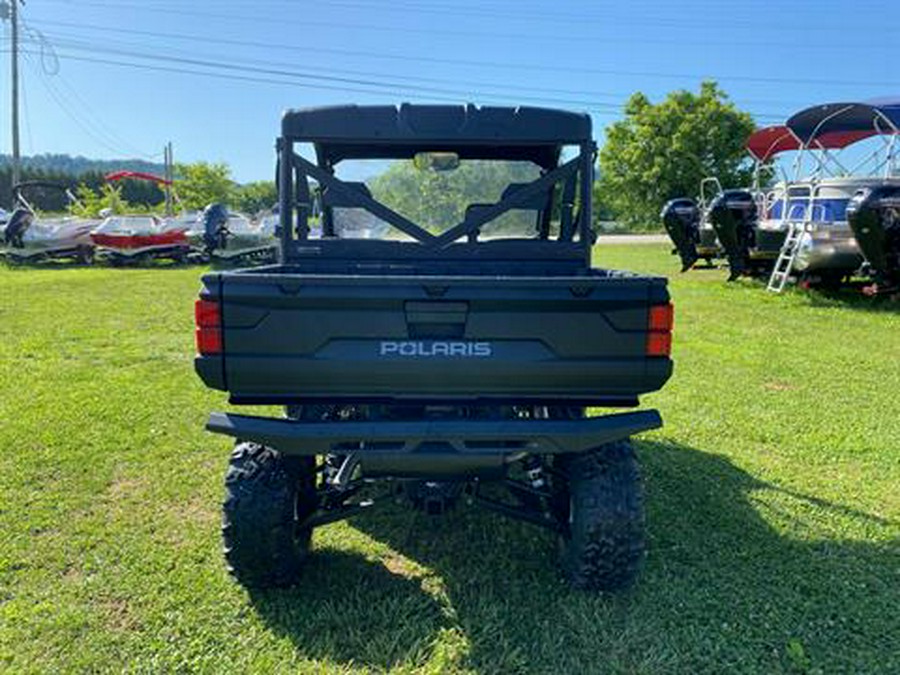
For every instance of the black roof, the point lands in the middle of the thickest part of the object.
(473, 132)
(878, 116)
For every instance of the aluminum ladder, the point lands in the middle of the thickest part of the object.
(786, 257)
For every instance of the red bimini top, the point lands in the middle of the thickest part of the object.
(137, 175)
(767, 142)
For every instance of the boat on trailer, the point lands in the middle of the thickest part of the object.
(225, 236)
(138, 237)
(809, 214)
(29, 238)
(133, 238)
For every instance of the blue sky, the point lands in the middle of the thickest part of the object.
(107, 79)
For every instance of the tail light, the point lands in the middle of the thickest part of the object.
(208, 319)
(659, 330)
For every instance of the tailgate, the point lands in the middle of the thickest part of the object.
(292, 337)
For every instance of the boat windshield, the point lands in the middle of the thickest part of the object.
(129, 225)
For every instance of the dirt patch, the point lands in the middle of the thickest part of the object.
(117, 615)
(776, 385)
(183, 525)
(125, 487)
(72, 575)
(198, 511)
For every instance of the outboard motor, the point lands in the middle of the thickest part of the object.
(16, 226)
(681, 218)
(215, 230)
(733, 216)
(874, 217)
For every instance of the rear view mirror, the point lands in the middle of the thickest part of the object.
(436, 161)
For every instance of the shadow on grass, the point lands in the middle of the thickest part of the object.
(44, 265)
(352, 610)
(59, 265)
(847, 296)
(852, 297)
(215, 265)
(721, 585)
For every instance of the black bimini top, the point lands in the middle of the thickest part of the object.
(855, 120)
(473, 132)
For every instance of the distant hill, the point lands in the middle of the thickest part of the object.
(77, 166)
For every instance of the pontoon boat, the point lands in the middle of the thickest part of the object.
(808, 215)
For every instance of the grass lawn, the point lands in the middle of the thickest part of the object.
(773, 507)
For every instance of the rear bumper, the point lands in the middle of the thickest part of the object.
(424, 438)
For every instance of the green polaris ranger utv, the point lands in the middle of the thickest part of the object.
(452, 356)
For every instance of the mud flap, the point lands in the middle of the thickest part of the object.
(874, 217)
(681, 218)
(733, 217)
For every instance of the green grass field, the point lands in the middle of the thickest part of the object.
(773, 507)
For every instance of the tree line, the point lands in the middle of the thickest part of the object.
(79, 165)
(196, 185)
(655, 153)
(134, 192)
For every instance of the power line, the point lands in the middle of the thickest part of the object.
(316, 77)
(267, 80)
(606, 18)
(76, 43)
(620, 98)
(364, 77)
(293, 83)
(514, 14)
(374, 84)
(85, 126)
(100, 124)
(482, 64)
(49, 68)
(393, 29)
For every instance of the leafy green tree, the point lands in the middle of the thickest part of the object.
(659, 152)
(255, 197)
(438, 200)
(91, 203)
(202, 183)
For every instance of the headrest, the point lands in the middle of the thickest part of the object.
(333, 199)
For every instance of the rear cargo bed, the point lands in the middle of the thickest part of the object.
(297, 337)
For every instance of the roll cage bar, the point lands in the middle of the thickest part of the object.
(387, 132)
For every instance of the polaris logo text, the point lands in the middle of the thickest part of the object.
(432, 349)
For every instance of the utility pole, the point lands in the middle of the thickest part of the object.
(10, 10)
(168, 174)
